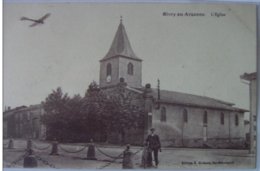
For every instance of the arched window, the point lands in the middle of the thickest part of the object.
(163, 114)
(185, 116)
(205, 118)
(236, 120)
(222, 121)
(109, 69)
(130, 69)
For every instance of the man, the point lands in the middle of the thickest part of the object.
(154, 144)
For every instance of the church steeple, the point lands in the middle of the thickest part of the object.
(121, 45)
(120, 62)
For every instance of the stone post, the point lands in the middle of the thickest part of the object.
(91, 154)
(128, 158)
(30, 160)
(29, 144)
(54, 150)
(11, 144)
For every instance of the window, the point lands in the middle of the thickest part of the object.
(236, 120)
(222, 121)
(185, 116)
(163, 114)
(130, 69)
(109, 69)
(205, 118)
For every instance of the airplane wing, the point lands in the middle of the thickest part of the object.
(34, 24)
(25, 18)
(44, 17)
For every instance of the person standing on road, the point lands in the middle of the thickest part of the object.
(154, 144)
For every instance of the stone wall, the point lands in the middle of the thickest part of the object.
(103, 72)
(119, 69)
(134, 80)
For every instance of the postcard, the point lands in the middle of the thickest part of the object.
(129, 85)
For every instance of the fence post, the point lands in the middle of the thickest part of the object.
(127, 158)
(91, 154)
(11, 144)
(54, 150)
(30, 160)
(147, 161)
(29, 144)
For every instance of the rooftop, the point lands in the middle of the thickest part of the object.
(174, 97)
(121, 45)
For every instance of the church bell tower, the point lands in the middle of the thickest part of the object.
(120, 63)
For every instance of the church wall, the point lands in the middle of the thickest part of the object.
(134, 80)
(170, 132)
(175, 132)
(237, 131)
(214, 127)
(103, 72)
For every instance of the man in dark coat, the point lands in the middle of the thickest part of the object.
(154, 144)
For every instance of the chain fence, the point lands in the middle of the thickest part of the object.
(68, 151)
(109, 163)
(44, 161)
(114, 158)
(102, 152)
(41, 148)
(18, 159)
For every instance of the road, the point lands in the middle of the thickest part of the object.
(170, 158)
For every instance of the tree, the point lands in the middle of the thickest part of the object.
(94, 116)
(75, 122)
(55, 107)
(120, 113)
(94, 101)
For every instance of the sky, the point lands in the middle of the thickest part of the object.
(201, 55)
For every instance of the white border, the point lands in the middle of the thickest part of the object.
(257, 2)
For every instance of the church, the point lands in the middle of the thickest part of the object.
(180, 119)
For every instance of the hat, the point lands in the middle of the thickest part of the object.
(152, 129)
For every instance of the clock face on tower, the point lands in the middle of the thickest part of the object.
(109, 78)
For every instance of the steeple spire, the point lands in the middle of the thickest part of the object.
(121, 45)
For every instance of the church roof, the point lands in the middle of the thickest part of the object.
(185, 99)
(173, 97)
(121, 45)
